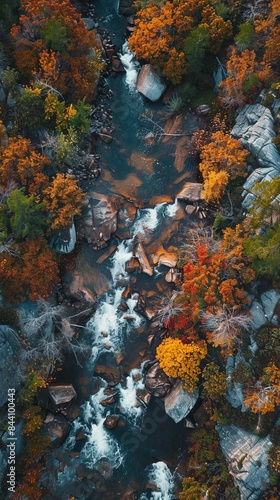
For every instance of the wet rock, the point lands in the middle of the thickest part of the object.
(149, 83)
(150, 339)
(190, 209)
(143, 396)
(156, 382)
(191, 192)
(108, 401)
(117, 65)
(111, 421)
(168, 259)
(132, 265)
(105, 137)
(179, 402)
(110, 374)
(61, 394)
(247, 456)
(129, 495)
(80, 437)
(90, 24)
(140, 254)
(57, 428)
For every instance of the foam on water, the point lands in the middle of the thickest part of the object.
(171, 209)
(131, 66)
(160, 475)
(129, 405)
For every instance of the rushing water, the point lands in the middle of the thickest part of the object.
(141, 452)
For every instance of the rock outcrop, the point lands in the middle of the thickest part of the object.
(262, 310)
(247, 457)
(254, 127)
(179, 402)
(149, 83)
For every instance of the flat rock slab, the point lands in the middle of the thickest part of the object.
(247, 455)
(192, 191)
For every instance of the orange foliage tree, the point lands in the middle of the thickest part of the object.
(241, 67)
(52, 43)
(20, 162)
(221, 159)
(264, 397)
(161, 30)
(181, 360)
(63, 199)
(32, 273)
(214, 281)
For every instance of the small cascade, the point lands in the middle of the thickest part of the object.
(100, 443)
(129, 404)
(171, 209)
(160, 476)
(148, 220)
(130, 65)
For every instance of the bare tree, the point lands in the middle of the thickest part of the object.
(225, 325)
(49, 334)
(253, 9)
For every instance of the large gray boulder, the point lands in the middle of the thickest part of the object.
(262, 310)
(99, 220)
(179, 402)
(255, 128)
(149, 83)
(247, 457)
(156, 382)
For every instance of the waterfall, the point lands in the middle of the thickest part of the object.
(129, 405)
(101, 443)
(130, 64)
(160, 475)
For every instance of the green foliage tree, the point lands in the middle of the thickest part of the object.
(195, 47)
(245, 36)
(54, 35)
(26, 217)
(29, 109)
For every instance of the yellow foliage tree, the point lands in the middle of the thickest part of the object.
(63, 199)
(264, 397)
(181, 360)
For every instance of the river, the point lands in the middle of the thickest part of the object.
(141, 454)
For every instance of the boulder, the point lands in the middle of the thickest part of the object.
(111, 421)
(179, 402)
(191, 192)
(57, 428)
(117, 65)
(247, 456)
(109, 373)
(156, 382)
(61, 394)
(149, 83)
(140, 254)
(255, 128)
(90, 24)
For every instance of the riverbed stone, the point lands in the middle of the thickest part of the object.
(99, 220)
(149, 83)
(109, 373)
(111, 421)
(247, 457)
(179, 402)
